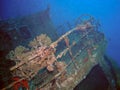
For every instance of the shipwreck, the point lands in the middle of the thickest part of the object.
(50, 62)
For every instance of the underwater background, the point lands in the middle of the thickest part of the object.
(62, 11)
(64, 15)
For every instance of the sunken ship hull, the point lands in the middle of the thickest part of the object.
(42, 60)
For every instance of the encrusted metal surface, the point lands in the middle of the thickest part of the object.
(62, 64)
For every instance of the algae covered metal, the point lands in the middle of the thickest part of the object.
(59, 64)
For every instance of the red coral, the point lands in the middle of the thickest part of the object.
(23, 83)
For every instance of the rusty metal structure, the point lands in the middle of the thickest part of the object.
(65, 62)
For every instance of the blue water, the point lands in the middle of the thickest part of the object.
(61, 11)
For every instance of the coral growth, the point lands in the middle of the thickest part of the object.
(50, 68)
(41, 40)
(60, 66)
(17, 54)
(29, 62)
(23, 83)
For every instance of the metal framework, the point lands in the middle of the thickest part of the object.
(73, 65)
